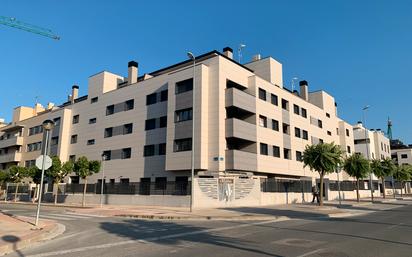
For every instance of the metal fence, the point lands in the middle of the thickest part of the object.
(282, 185)
(131, 188)
(389, 185)
(344, 185)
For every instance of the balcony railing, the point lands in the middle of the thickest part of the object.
(10, 157)
(240, 99)
(12, 141)
(240, 129)
(241, 160)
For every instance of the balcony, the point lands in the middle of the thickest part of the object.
(12, 141)
(236, 128)
(10, 157)
(241, 160)
(240, 99)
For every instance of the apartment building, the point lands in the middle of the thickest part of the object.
(246, 123)
(372, 143)
(401, 153)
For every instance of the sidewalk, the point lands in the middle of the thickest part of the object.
(17, 233)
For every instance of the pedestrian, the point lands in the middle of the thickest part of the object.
(315, 193)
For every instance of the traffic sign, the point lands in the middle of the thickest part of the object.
(47, 162)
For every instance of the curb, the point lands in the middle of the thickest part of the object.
(163, 217)
(48, 233)
(51, 205)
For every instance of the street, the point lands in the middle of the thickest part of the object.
(382, 233)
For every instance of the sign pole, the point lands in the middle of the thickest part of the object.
(46, 142)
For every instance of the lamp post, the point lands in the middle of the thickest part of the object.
(102, 183)
(338, 170)
(192, 168)
(293, 83)
(48, 125)
(367, 147)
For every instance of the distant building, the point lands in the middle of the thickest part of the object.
(373, 144)
(401, 153)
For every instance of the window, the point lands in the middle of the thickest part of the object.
(109, 110)
(160, 183)
(163, 122)
(128, 128)
(75, 119)
(91, 142)
(404, 156)
(347, 132)
(72, 158)
(183, 115)
(183, 145)
(149, 150)
(94, 100)
(162, 149)
(30, 163)
(35, 130)
(329, 133)
(108, 132)
(320, 141)
(151, 99)
(126, 153)
(337, 131)
(163, 95)
(150, 124)
(263, 149)
(348, 149)
(296, 109)
(297, 132)
(92, 120)
(108, 155)
(275, 125)
(305, 135)
(299, 156)
(276, 151)
(262, 94)
(320, 124)
(381, 146)
(129, 105)
(34, 147)
(124, 181)
(274, 99)
(285, 105)
(56, 121)
(285, 128)
(304, 113)
(286, 153)
(73, 139)
(54, 140)
(262, 121)
(328, 115)
(184, 86)
(361, 141)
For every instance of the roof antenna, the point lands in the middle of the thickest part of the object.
(239, 52)
(36, 99)
(293, 83)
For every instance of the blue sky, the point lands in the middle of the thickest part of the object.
(359, 51)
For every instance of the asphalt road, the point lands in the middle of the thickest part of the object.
(382, 233)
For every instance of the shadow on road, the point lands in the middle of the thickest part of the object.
(301, 214)
(168, 233)
(14, 240)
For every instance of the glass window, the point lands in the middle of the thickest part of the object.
(299, 156)
(329, 133)
(348, 149)
(163, 95)
(150, 124)
(92, 120)
(162, 149)
(286, 153)
(183, 145)
(305, 135)
(149, 150)
(76, 119)
(110, 110)
(262, 94)
(160, 183)
(320, 124)
(73, 139)
(296, 109)
(303, 112)
(274, 99)
(297, 132)
(126, 153)
(129, 105)
(94, 100)
(285, 105)
(127, 128)
(184, 86)
(262, 121)
(286, 128)
(108, 132)
(263, 149)
(91, 142)
(276, 151)
(328, 115)
(183, 115)
(275, 125)
(151, 99)
(163, 122)
(108, 155)
(347, 132)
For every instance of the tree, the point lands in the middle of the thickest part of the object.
(57, 172)
(403, 173)
(382, 169)
(3, 177)
(85, 168)
(15, 175)
(35, 174)
(323, 158)
(358, 167)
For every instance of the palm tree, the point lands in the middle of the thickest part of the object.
(57, 172)
(323, 158)
(85, 168)
(383, 169)
(358, 167)
(403, 173)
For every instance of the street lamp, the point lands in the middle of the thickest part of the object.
(338, 170)
(48, 125)
(192, 168)
(367, 147)
(293, 83)
(102, 183)
(239, 52)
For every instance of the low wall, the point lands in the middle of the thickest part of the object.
(284, 198)
(350, 195)
(148, 200)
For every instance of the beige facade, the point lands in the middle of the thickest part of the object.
(246, 123)
(377, 144)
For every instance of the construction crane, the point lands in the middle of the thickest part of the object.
(13, 22)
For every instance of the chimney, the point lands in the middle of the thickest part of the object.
(304, 90)
(228, 52)
(132, 72)
(256, 57)
(75, 93)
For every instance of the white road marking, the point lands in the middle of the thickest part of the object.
(310, 253)
(42, 216)
(151, 239)
(85, 215)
